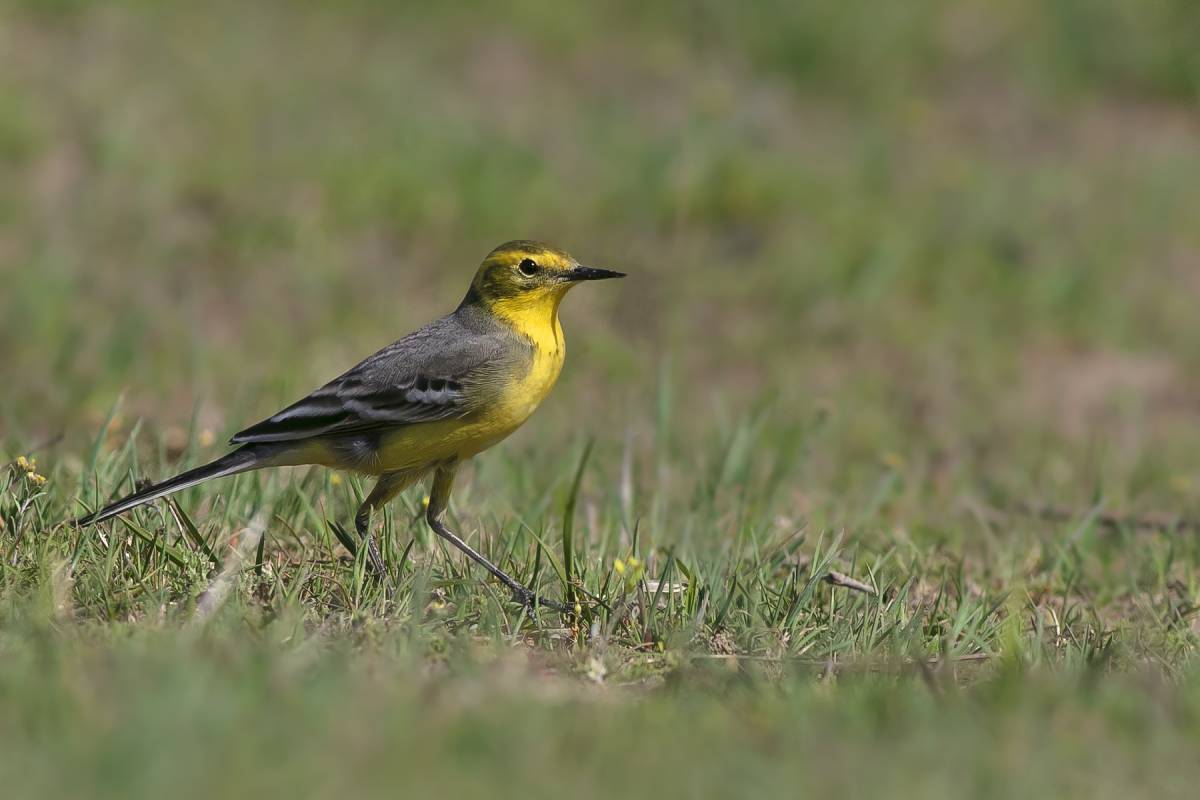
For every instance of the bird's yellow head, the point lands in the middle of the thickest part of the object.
(524, 278)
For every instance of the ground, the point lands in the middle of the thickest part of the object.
(883, 457)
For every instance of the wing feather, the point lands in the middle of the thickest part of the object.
(439, 372)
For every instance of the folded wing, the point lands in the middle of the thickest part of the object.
(436, 373)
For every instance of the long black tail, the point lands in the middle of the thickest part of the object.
(240, 460)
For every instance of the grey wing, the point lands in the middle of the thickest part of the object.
(436, 373)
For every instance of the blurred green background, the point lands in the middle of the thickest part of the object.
(966, 228)
(896, 271)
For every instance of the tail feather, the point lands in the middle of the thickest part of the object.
(241, 460)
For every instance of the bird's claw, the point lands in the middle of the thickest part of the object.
(532, 602)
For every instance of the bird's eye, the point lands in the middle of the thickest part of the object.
(528, 266)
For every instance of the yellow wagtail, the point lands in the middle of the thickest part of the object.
(426, 403)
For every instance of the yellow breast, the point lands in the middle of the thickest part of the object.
(418, 445)
(524, 393)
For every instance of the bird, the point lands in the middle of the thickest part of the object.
(424, 404)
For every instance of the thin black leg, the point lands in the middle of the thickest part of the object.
(439, 498)
(388, 486)
(362, 524)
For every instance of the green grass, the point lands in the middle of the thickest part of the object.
(911, 300)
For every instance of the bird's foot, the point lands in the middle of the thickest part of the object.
(531, 601)
(374, 558)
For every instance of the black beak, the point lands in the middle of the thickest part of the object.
(592, 274)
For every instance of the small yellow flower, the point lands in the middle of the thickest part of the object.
(38, 480)
(619, 566)
(335, 480)
(425, 501)
(26, 464)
